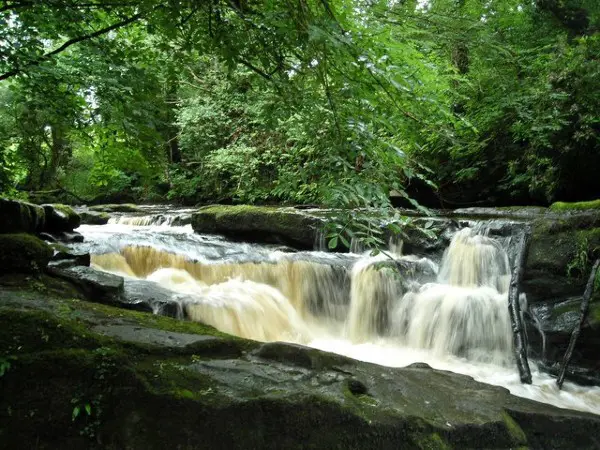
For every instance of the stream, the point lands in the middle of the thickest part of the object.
(393, 310)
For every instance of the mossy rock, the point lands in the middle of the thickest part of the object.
(259, 224)
(60, 218)
(21, 217)
(103, 391)
(575, 206)
(94, 218)
(124, 207)
(23, 253)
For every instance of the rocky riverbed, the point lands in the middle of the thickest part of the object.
(88, 361)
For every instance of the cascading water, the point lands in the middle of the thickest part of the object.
(465, 312)
(391, 309)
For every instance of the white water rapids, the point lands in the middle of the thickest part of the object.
(392, 312)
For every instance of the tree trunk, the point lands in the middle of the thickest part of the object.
(60, 151)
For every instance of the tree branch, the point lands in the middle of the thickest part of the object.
(69, 43)
(255, 69)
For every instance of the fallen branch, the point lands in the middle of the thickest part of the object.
(585, 306)
(514, 309)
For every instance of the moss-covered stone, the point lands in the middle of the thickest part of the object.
(94, 218)
(124, 207)
(20, 217)
(64, 384)
(258, 224)
(61, 218)
(23, 253)
(575, 206)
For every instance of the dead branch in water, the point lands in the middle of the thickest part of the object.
(585, 306)
(514, 309)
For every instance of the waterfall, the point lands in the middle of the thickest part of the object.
(150, 220)
(390, 309)
(461, 311)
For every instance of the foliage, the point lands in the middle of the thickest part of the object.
(336, 103)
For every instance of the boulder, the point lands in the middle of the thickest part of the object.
(259, 224)
(20, 217)
(94, 218)
(102, 376)
(23, 253)
(148, 296)
(97, 286)
(64, 257)
(65, 237)
(124, 207)
(60, 218)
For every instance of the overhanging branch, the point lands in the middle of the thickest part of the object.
(69, 43)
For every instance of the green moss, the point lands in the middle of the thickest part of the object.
(152, 320)
(432, 442)
(566, 206)
(23, 253)
(29, 331)
(61, 218)
(72, 217)
(94, 218)
(58, 247)
(514, 429)
(174, 377)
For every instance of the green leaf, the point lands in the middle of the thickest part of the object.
(333, 243)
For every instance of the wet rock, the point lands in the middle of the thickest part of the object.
(65, 237)
(549, 328)
(20, 217)
(555, 268)
(23, 253)
(60, 218)
(131, 368)
(94, 218)
(151, 297)
(124, 207)
(357, 387)
(508, 212)
(151, 336)
(259, 224)
(428, 237)
(64, 257)
(181, 220)
(97, 286)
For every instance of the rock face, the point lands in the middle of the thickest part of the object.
(259, 224)
(87, 376)
(21, 217)
(562, 250)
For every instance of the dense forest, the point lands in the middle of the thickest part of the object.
(334, 102)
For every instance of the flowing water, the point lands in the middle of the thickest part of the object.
(392, 309)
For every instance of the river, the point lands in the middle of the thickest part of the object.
(392, 310)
